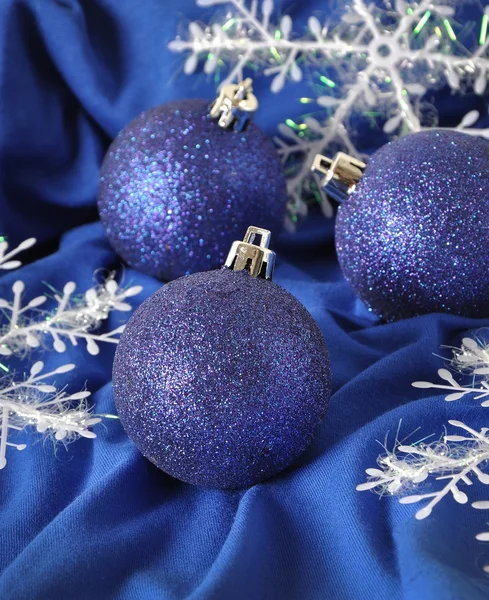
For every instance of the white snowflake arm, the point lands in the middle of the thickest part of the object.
(34, 403)
(72, 320)
(249, 35)
(6, 263)
(457, 391)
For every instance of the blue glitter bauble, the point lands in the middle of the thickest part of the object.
(176, 189)
(220, 379)
(414, 237)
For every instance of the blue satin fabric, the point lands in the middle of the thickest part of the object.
(99, 521)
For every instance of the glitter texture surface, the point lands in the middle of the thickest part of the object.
(220, 379)
(176, 190)
(414, 237)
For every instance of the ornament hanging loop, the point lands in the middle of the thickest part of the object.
(341, 175)
(235, 105)
(259, 260)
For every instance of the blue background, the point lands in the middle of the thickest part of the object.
(98, 520)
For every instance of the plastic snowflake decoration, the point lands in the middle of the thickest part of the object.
(456, 460)
(379, 60)
(35, 403)
(6, 264)
(73, 319)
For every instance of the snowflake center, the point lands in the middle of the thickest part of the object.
(383, 51)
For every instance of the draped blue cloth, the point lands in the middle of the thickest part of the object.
(99, 521)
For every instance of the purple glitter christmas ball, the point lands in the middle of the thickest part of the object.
(220, 379)
(414, 237)
(176, 189)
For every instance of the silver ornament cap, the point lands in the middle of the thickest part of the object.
(259, 260)
(341, 174)
(235, 105)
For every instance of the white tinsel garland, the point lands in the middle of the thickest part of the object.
(383, 60)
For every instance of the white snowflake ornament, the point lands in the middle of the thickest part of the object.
(380, 59)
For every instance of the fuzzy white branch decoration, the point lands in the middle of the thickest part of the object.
(455, 460)
(453, 463)
(35, 403)
(73, 319)
(383, 60)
